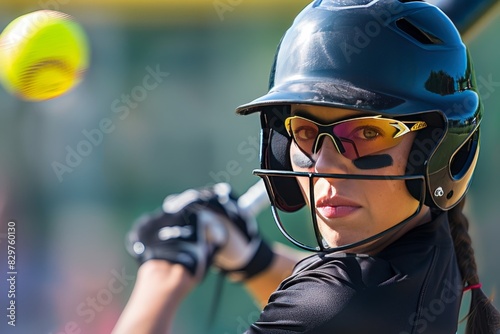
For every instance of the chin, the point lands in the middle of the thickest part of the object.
(336, 239)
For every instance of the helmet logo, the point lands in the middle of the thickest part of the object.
(439, 192)
(402, 130)
(418, 125)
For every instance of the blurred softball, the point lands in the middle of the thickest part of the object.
(43, 55)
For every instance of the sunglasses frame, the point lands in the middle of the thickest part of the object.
(398, 125)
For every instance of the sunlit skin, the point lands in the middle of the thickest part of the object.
(351, 210)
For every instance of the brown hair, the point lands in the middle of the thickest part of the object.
(483, 317)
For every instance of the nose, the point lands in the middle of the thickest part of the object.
(329, 160)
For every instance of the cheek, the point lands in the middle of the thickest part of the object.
(403, 151)
(388, 206)
(399, 167)
(390, 199)
(299, 159)
(395, 202)
(399, 154)
(301, 162)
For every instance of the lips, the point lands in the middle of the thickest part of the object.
(336, 207)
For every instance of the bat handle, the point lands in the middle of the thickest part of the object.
(254, 200)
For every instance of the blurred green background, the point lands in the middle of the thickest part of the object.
(73, 271)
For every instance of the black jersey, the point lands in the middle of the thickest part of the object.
(412, 286)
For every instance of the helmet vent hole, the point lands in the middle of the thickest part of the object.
(417, 33)
(462, 159)
(341, 3)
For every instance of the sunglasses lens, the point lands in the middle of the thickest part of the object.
(304, 132)
(359, 137)
(367, 136)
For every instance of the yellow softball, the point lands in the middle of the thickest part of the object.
(43, 55)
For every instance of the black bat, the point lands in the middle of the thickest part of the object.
(464, 13)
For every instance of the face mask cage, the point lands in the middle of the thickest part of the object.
(308, 235)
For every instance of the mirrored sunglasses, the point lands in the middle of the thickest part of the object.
(353, 138)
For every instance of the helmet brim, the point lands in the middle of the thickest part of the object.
(323, 92)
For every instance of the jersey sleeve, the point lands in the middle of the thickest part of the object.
(302, 305)
(327, 300)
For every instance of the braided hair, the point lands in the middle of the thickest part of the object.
(483, 317)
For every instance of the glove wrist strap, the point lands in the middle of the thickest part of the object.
(260, 262)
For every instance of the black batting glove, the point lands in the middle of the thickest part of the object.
(184, 232)
(245, 253)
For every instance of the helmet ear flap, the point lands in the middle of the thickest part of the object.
(444, 187)
(424, 145)
(463, 157)
(275, 155)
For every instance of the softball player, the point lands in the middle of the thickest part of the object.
(372, 123)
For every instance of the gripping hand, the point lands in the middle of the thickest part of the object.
(184, 232)
(244, 253)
